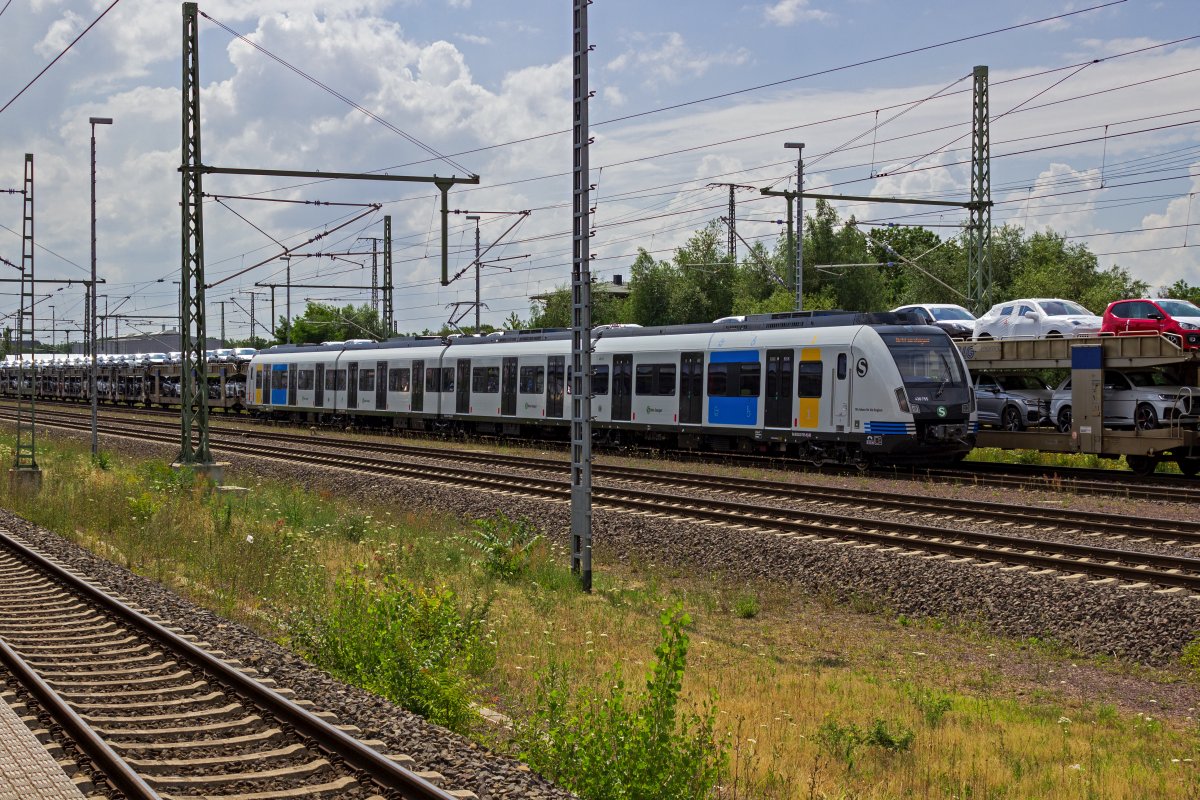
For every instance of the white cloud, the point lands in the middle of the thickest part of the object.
(789, 12)
(666, 58)
(60, 34)
(612, 96)
(471, 38)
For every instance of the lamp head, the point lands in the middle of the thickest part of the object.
(100, 120)
(475, 217)
(794, 145)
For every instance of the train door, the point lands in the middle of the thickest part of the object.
(556, 373)
(319, 387)
(780, 382)
(381, 385)
(278, 384)
(462, 387)
(293, 373)
(839, 394)
(352, 386)
(258, 385)
(417, 381)
(691, 388)
(508, 387)
(622, 387)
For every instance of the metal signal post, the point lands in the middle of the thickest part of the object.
(581, 318)
(193, 328)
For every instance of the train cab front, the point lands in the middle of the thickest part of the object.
(936, 391)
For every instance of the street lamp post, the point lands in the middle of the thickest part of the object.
(799, 148)
(91, 311)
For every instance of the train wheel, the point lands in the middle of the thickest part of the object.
(1142, 465)
(1010, 419)
(1189, 466)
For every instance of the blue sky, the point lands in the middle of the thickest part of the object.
(471, 77)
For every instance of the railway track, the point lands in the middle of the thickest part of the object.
(921, 525)
(161, 717)
(1076, 480)
(943, 509)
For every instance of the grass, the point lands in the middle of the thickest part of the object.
(813, 699)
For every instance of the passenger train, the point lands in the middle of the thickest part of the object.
(827, 388)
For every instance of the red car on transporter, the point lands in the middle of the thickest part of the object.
(1178, 320)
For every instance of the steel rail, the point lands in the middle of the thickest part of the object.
(116, 771)
(1101, 522)
(376, 766)
(1075, 479)
(1106, 562)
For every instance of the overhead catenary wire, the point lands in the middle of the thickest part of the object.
(62, 53)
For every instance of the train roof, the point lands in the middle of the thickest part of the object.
(792, 320)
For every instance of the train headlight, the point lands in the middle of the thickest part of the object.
(902, 400)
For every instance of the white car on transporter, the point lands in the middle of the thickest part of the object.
(1039, 318)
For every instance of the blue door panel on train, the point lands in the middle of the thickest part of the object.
(278, 396)
(733, 410)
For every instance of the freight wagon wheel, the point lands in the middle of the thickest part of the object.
(1010, 419)
(1142, 465)
(1064, 420)
(1145, 417)
(1189, 466)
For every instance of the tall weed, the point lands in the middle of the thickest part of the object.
(609, 745)
(419, 647)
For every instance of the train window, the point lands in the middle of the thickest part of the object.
(600, 379)
(808, 384)
(655, 380)
(341, 380)
(279, 379)
(447, 379)
(718, 379)
(398, 379)
(485, 380)
(305, 379)
(330, 380)
(366, 380)
(734, 379)
(750, 380)
(431, 379)
(841, 366)
(533, 380)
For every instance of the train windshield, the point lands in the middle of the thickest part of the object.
(925, 359)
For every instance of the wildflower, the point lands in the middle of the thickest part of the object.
(249, 538)
(1064, 721)
(1077, 766)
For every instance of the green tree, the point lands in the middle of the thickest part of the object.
(650, 285)
(1181, 290)
(323, 323)
(1050, 267)
(703, 290)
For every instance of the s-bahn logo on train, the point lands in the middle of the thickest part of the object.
(861, 368)
(941, 412)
